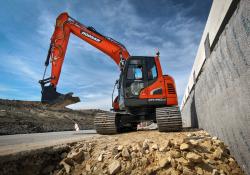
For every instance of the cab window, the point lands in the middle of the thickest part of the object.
(134, 72)
(152, 71)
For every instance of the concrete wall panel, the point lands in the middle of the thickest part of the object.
(216, 16)
(220, 99)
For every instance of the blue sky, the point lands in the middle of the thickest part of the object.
(174, 27)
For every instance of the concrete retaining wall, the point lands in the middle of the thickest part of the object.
(215, 19)
(220, 99)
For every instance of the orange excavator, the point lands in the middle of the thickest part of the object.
(144, 93)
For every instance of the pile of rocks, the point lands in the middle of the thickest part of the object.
(193, 154)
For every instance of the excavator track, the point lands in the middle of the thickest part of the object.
(106, 123)
(169, 119)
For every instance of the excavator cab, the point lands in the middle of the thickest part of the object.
(139, 73)
(132, 80)
(144, 94)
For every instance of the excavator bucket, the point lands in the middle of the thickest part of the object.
(52, 97)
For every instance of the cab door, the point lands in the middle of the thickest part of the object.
(135, 77)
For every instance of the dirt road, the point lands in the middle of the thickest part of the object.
(11, 144)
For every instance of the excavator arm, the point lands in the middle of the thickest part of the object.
(65, 25)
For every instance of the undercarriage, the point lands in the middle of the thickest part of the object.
(167, 119)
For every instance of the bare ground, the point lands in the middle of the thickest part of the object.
(144, 152)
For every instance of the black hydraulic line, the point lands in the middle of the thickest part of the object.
(46, 61)
(44, 72)
(48, 56)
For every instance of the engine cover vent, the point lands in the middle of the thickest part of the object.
(171, 89)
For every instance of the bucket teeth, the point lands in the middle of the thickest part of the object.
(52, 97)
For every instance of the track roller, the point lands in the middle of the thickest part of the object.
(106, 123)
(168, 119)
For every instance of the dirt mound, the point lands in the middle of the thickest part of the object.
(19, 117)
(35, 162)
(150, 152)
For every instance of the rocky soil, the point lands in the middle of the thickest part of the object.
(21, 117)
(149, 152)
(142, 152)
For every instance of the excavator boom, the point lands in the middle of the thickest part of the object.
(65, 25)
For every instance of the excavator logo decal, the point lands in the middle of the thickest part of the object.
(91, 36)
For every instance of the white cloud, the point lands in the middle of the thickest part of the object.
(25, 70)
(22, 67)
(100, 103)
(4, 88)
